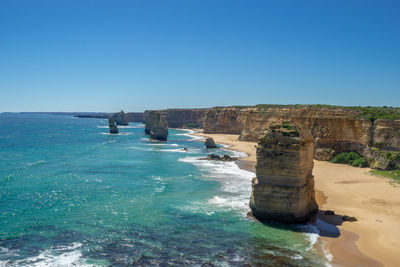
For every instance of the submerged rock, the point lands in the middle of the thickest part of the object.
(284, 187)
(111, 125)
(210, 143)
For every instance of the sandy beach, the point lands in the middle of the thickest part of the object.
(374, 239)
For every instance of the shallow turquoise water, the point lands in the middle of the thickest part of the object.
(70, 194)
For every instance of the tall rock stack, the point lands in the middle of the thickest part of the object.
(284, 187)
(121, 118)
(156, 124)
(111, 125)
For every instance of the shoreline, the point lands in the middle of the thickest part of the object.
(347, 191)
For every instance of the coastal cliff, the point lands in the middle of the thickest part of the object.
(135, 116)
(156, 124)
(120, 118)
(284, 187)
(185, 118)
(335, 129)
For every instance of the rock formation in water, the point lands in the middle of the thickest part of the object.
(219, 158)
(156, 124)
(283, 188)
(121, 118)
(112, 126)
(210, 143)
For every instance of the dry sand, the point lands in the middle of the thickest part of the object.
(373, 240)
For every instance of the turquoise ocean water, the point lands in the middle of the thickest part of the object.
(73, 195)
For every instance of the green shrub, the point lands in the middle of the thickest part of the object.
(360, 162)
(351, 158)
(340, 158)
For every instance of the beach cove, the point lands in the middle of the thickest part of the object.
(374, 201)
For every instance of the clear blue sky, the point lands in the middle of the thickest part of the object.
(135, 55)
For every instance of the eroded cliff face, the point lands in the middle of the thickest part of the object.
(284, 187)
(135, 116)
(120, 118)
(334, 129)
(156, 124)
(222, 121)
(185, 118)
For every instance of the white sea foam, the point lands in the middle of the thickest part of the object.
(59, 256)
(127, 133)
(161, 144)
(122, 127)
(160, 184)
(35, 163)
(235, 182)
(190, 133)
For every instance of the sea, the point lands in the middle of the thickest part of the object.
(71, 194)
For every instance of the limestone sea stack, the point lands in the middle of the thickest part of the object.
(284, 187)
(156, 125)
(121, 118)
(210, 143)
(112, 126)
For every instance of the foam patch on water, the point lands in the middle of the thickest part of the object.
(190, 133)
(161, 144)
(122, 127)
(127, 133)
(235, 182)
(160, 184)
(35, 163)
(62, 256)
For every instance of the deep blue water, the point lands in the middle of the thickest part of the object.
(72, 195)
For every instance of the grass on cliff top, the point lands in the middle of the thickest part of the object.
(370, 113)
(395, 174)
(286, 128)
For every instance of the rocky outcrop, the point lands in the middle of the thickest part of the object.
(120, 118)
(219, 158)
(335, 129)
(210, 143)
(156, 124)
(284, 187)
(111, 125)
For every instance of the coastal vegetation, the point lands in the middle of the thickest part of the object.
(350, 158)
(394, 174)
(193, 125)
(286, 128)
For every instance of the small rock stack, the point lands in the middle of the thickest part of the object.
(112, 126)
(284, 187)
(210, 143)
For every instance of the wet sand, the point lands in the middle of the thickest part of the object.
(373, 240)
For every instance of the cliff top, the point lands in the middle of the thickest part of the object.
(285, 134)
(369, 113)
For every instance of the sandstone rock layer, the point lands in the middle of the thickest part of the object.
(156, 124)
(284, 187)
